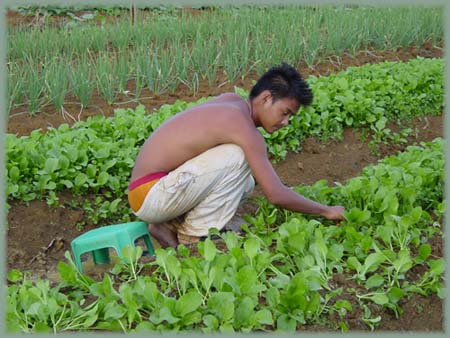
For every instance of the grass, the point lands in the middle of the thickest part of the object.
(106, 77)
(139, 69)
(16, 86)
(81, 80)
(56, 80)
(34, 83)
(122, 69)
(184, 49)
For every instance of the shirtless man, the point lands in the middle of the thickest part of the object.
(198, 166)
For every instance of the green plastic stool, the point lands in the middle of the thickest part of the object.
(98, 241)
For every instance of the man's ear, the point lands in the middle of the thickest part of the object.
(266, 95)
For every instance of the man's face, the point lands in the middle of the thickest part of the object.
(277, 113)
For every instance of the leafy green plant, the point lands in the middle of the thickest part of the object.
(279, 273)
(362, 97)
(270, 278)
(129, 267)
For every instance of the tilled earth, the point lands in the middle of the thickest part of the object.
(38, 235)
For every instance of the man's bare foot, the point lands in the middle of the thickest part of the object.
(187, 240)
(165, 236)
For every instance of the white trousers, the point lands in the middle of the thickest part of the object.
(206, 191)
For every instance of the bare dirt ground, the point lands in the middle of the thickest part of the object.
(38, 235)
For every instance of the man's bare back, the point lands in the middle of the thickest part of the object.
(226, 119)
(229, 119)
(192, 132)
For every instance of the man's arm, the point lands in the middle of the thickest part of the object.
(293, 201)
(276, 192)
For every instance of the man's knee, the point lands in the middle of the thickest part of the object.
(250, 184)
(248, 188)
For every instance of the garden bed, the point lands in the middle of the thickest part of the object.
(39, 234)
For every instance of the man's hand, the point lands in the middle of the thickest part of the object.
(334, 213)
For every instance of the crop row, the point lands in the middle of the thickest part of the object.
(278, 276)
(98, 154)
(49, 65)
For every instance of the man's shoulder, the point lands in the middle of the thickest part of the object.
(232, 104)
(228, 97)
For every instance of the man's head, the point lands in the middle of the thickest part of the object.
(277, 95)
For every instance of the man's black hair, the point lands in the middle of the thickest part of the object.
(283, 82)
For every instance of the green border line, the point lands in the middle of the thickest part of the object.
(3, 124)
(446, 18)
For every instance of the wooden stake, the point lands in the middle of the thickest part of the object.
(134, 12)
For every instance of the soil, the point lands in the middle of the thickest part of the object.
(38, 234)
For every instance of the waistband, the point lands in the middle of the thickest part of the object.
(145, 179)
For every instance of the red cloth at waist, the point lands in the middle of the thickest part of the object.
(145, 179)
